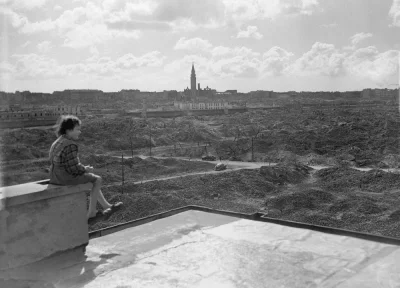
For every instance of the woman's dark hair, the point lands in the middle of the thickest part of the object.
(66, 122)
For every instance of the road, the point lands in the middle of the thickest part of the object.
(255, 165)
(231, 166)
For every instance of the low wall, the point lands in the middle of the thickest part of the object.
(166, 114)
(9, 124)
(38, 220)
(181, 113)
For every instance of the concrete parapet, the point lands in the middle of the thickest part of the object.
(38, 220)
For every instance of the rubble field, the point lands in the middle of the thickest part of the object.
(293, 192)
(338, 196)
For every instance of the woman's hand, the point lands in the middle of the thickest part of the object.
(89, 169)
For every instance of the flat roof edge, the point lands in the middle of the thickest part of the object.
(254, 216)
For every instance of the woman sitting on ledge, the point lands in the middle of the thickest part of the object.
(66, 168)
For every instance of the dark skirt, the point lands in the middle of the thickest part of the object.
(60, 176)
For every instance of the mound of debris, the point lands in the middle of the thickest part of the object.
(96, 160)
(170, 161)
(286, 173)
(307, 199)
(390, 161)
(347, 179)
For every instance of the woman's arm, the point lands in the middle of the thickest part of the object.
(71, 160)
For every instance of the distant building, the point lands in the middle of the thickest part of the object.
(261, 94)
(65, 110)
(193, 83)
(380, 94)
(192, 99)
(85, 95)
(195, 94)
(231, 91)
(201, 105)
(129, 95)
(46, 112)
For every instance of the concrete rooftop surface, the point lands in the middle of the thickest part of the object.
(200, 249)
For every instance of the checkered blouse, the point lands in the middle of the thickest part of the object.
(67, 158)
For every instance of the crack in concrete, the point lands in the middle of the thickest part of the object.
(170, 248)
(140, 259)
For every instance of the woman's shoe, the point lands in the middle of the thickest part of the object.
(109, 211)
(116, 206)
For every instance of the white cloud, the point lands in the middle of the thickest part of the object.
(174, 15)
(6, 72)
(34, 66)
(357, 38)
(223, 51)
(16, 19)
(394, 13)
(171, 15)
(237, 66)
(220, 51)
(381, 68)
(89, 34)
(190, 15)
(57, 8)
(80, 27)
(23, 4)
(309, 6)
(184, 64)
(95, 54)
(275, 61)
(250, 32)
(243, 10)
(193, 44)
(322, 59)
(222, 62)
(200, 12)
(44, 46)
(6, 67)
(105, 66)
(70, 19)
(151, 59)
(126, 10)
(42, 26)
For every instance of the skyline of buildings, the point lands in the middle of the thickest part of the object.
(200, 98)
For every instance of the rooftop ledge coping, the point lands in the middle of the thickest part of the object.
(34, 191)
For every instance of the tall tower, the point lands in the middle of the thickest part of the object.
(193, 82)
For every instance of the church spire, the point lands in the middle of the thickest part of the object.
(193, 83)
(193, 72)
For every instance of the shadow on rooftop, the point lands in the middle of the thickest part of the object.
(70, 268)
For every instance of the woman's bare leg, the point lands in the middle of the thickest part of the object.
(103, 202)
(94, 195)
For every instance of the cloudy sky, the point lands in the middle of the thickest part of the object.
(280, 45)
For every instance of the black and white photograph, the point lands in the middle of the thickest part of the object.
(199, 143)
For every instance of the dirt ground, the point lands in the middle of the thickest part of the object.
(307, 198)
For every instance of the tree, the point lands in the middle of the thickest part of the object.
(253, 132)
(231, 147)
(149, 131)
(134, 128)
